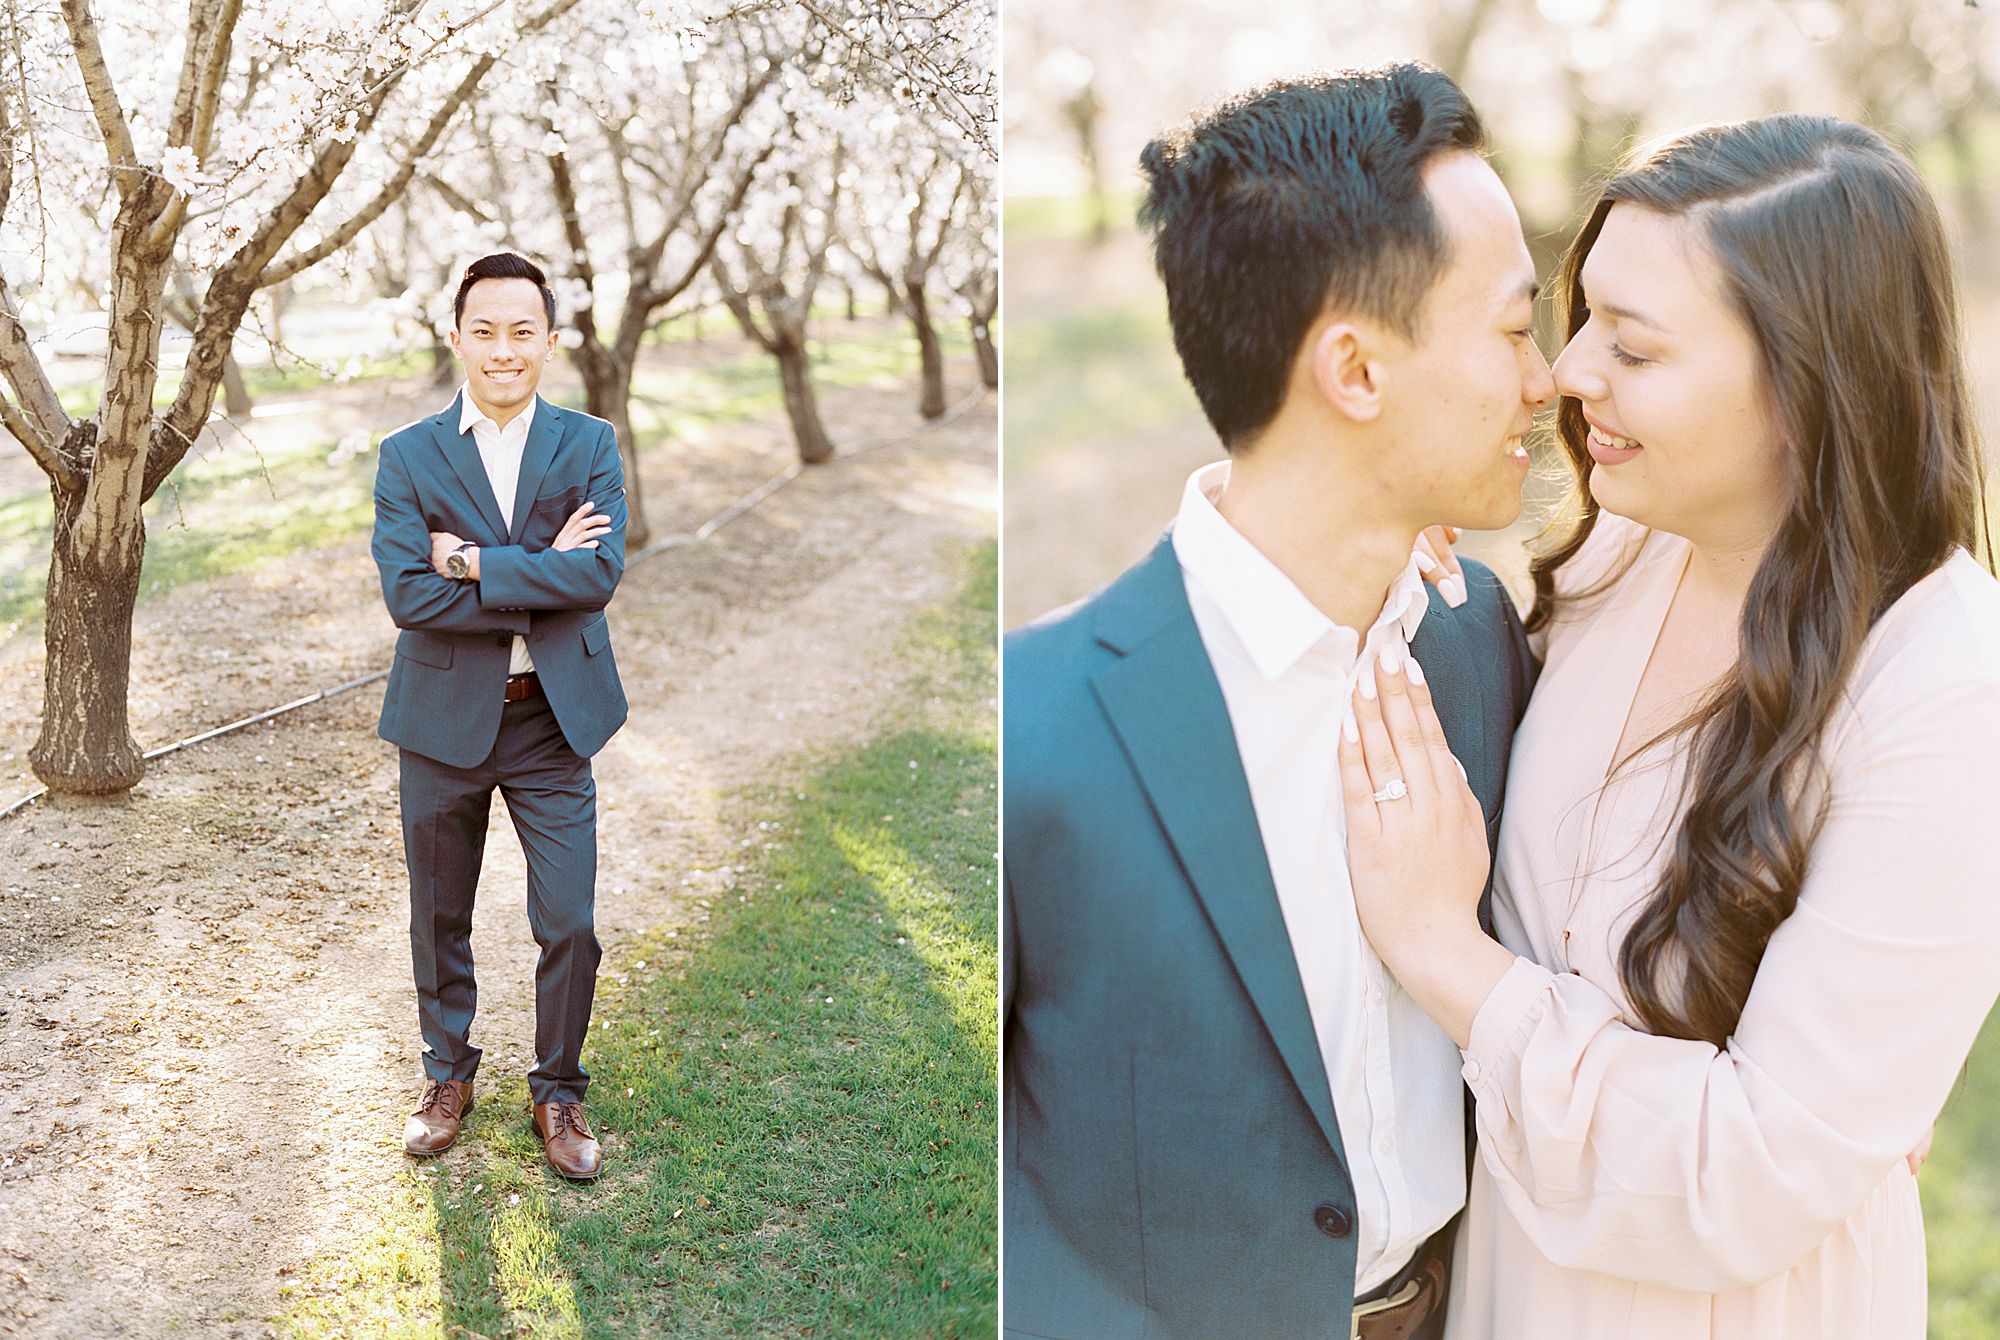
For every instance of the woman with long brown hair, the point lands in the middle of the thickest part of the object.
(1747, 891)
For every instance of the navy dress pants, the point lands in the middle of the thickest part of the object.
(553, 801)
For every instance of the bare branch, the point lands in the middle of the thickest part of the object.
(456, 198)
(579, 244)
(103, 95)
(22, 368)
(738, 303)
(392, 189)
(248, 269)
(208, 95)
(201, 31)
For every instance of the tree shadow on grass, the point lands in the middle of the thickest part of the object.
(810, 1134)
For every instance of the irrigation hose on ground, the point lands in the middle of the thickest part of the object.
(659, 546)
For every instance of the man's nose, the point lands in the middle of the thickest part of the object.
(1539, 389)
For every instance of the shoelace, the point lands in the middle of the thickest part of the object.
(569, 1116)
(441, 1095)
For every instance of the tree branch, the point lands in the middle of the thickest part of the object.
(208, 96)
(739, 306)
(391, 190)
(103, 95)
(201, 32)
(456, 198)
(230, 291)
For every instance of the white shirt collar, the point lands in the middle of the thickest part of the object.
(470, 415)
(1263, 607)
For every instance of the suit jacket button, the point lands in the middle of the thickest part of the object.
(1333, 1221)
(504, 640)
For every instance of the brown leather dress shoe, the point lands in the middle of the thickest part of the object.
(566, 1139)
(434, 1125)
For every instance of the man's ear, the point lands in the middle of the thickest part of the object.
(1346, 368)
(452, 335)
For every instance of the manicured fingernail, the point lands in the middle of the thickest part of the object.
(1368, 685)
(1452, 589)
(1425, 563)
(1349, 730)
(1392, 661)
(1416, 671)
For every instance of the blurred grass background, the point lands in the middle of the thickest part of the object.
(1100, 431)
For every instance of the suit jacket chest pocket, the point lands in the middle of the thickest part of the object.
(546, 517)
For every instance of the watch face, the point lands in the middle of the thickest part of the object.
(456, 565)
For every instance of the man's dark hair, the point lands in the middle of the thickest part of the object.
(1290, 200)
(504, 265)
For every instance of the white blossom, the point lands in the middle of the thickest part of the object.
(182, 169)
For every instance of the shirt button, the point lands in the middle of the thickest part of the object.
(1333, 1221)
(1472, 1071)
(1385, 1145)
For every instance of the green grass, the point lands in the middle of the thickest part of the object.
(1092, 374)
(239, 508)
(802, 1084)
(1035, 217)
(1960, 1186)
(262, 379)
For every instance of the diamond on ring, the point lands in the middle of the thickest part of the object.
(1395, 790)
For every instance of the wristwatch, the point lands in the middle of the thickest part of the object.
(457, 564)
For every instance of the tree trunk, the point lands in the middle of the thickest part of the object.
(853, 312)
(801, 405)
(444, 367)
(235, 395)
(989, 357)
(85, 746)
(932, 406)
(607, 393)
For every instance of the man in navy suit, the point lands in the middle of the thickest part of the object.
(500, 537)
(1223, 1118)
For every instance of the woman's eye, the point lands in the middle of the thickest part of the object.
(1629, 360)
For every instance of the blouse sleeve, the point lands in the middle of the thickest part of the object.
(1663, 1160)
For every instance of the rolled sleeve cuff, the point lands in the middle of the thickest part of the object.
(1505, 1018)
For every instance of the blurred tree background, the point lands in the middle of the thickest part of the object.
(1101, 431)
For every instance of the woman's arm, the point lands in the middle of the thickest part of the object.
(1664, 1159)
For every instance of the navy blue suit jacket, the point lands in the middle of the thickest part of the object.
(446, 687)
(1172, 1161)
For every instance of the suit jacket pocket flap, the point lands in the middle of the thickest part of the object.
(560, 505)
(424, 648)
(596, 636)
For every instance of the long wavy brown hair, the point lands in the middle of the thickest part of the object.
(1836, 260)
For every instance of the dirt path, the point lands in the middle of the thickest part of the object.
(207, 1029)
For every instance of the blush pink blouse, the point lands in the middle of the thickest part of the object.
(1653, 1188)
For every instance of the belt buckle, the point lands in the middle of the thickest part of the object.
(1362, 1311)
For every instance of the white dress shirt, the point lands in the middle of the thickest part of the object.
(500, 450)
(1287, 671)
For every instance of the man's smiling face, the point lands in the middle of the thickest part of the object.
(504, 340)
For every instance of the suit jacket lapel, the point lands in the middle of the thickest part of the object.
(543, 437)
(1167, 709)
(1449, 670)
(462, 454)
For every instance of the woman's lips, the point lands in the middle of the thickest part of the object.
(1610, 449)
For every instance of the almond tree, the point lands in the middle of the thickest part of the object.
(650, 147)
(247, 144)
(899, 228)
(976, 261)
(770, 268)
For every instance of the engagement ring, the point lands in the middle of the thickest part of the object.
(1395, 790)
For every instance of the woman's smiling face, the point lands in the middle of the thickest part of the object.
(1668, 375)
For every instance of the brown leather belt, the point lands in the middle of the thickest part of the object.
(1416, 1294)
(523, 686)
